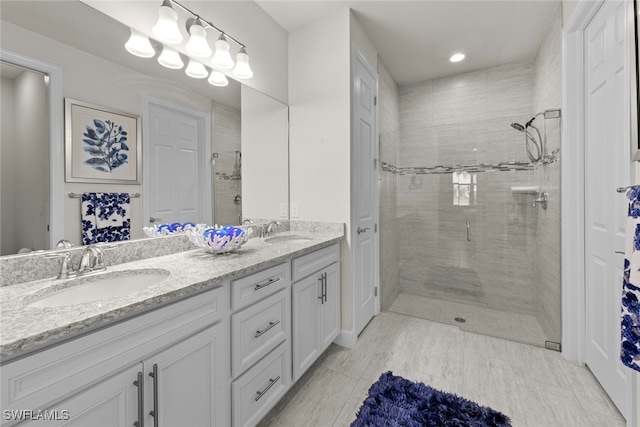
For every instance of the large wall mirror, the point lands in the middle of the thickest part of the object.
(247, 150)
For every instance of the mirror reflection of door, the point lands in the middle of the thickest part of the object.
(24, 160)
(177, 178)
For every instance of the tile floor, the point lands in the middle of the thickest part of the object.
(512, 326)
(533, 386)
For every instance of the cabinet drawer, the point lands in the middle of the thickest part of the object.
(258, 329)
(315, 261)
(254, 287)
(258, 390)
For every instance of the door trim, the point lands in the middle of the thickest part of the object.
(205, 164)
(573, 196)
(56, 140)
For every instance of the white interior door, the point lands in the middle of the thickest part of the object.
(607, 167)
(177, 174)
(364, 191)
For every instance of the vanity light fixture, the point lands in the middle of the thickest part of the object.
(170, 58)
(139, 45)
(218, 78)
(167, 31)
(196, 70)
(457, 57)
(166, 28)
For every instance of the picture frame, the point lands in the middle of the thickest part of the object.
(634, 60)
(102, 145)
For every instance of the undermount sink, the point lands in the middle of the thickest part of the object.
(287, 238)
(98, 287)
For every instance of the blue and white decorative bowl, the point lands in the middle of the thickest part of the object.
(169, 229)
(218, 240)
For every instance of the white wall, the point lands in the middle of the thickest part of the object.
(568, 7)
(31, 208)
(320, 131)
(265, 176)
(7, 154)
(25, 163)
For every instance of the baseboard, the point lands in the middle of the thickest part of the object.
(346, 338)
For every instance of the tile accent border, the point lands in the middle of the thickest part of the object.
(552, 157)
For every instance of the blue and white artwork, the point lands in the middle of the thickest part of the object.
(102, 145)
(106, 144)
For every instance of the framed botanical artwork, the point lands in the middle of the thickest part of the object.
(102, 145)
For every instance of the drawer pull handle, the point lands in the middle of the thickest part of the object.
(272, 381)
(269, 326)
(140, 384)
(267, 283)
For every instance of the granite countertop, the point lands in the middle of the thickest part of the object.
(26, 329)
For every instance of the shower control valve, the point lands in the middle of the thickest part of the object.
(542, 200)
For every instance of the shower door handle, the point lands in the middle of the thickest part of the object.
(468, 231)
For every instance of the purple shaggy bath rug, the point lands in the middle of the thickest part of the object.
(396, 401)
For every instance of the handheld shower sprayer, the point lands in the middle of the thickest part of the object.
(530, 140)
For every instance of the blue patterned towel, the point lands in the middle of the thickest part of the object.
(105, 217)
(630, 350)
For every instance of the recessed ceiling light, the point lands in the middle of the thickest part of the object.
(457, 57)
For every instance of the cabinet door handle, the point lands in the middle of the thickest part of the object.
(269, 326)
(140, 384)
(324, 282)
(154, 413)
(272, 381)
(265, 284)
(321, 297)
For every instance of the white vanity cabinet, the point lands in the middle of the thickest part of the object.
(178, 386)
(173, 361)
(316, 306)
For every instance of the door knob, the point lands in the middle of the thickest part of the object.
(153, 220)
(362, 230)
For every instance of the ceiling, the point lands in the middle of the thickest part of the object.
(416, 38)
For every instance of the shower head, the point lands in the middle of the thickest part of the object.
(518, 127)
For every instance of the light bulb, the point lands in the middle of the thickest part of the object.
(196, 70)
(166, 29)
(218, 79)
(170, 58)
(197, 44)
(139, 45)
(221, 58)
(242, 69)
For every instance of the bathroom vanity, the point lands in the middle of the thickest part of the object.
(216, 343)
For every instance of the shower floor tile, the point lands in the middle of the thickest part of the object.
(511, 326)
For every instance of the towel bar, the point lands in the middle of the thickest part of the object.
(623, 189)
(78, 195)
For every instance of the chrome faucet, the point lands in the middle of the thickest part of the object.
(268, 229)
(92, 260)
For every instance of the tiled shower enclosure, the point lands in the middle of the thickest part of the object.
(462, 241)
